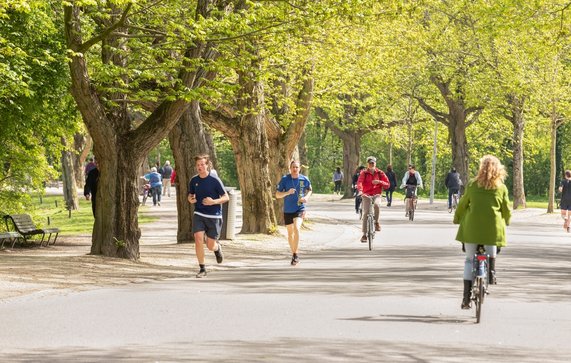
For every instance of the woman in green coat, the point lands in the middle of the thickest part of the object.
(483, 215)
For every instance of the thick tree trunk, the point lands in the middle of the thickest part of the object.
(188, 139)
(116, 231)
(460, 158)
(252, 159)
(68, 176)
(518, 122)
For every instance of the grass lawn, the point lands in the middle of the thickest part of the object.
(81, 221)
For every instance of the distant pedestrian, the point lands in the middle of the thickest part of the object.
(295, 188)
(358, 198)
(167, 171)
(565, 190)
(207, 194)
(393, 180)
(337, 180)
(155, 179)
(91, 183)
(173, 177)
(89, 166)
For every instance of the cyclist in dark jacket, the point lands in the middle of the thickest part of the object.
(453, 183)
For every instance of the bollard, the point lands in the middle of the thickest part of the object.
(229, 216)
(56, 203)
(48, 221)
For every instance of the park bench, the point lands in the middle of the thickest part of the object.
(24, 225)
(10, 237)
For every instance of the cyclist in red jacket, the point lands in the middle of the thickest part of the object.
(371, 183)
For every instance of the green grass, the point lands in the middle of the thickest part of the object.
(81, 221)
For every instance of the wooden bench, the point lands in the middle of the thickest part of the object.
(24, 225)
(10, 237)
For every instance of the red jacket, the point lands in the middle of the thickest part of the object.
(365, 182)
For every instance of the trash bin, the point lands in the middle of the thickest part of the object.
(229, 216)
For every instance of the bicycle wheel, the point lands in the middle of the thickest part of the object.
(479, 296)
(370, 231)
(411, 210)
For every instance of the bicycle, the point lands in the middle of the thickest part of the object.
(147, 192)
(480, 281)
(455, 198)
(370, 219)
(410, 201)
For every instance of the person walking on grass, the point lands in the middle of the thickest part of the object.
(565, 204)
(295, 188)
(207, 194)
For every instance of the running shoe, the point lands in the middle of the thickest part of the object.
(201, 274)
(218, 254)
(294, 260)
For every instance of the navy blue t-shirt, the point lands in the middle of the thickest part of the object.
(206, 187)
(301, 184)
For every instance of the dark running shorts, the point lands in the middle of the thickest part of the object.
(288, 217)
(211, 226)
(565, 205)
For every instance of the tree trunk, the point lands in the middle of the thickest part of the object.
(456, 120)
(118, 146)
(187, 139)
(256, 139)
(68, 176)
(351, 155)
(82, 145)
(252, 160)
(303, 159)
(552, 164)
(518, 122)
(116, 231)
(457, 130)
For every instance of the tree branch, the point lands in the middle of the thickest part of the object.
(439, 116)
(86, 45)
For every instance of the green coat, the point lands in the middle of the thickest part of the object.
(483, 215)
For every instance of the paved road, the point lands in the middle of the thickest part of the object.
(400, 302)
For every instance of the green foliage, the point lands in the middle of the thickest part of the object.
(35, 106)
(325, 153)
(161, 153)
(226, 161)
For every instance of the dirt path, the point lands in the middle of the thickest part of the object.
(68, 265)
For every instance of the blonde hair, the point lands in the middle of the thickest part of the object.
(491, 174)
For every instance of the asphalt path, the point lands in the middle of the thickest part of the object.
(397, 303)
